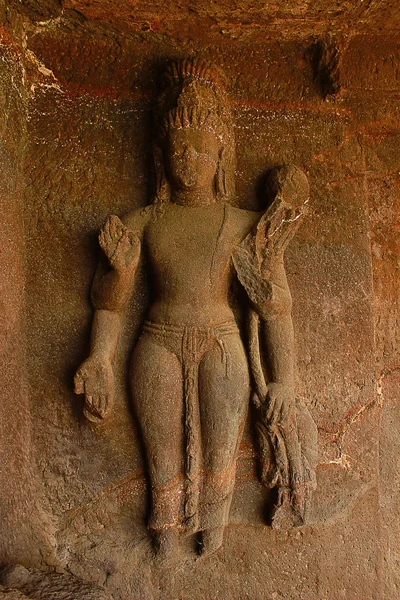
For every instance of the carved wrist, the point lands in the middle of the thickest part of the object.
(101, 355)
(281, 387)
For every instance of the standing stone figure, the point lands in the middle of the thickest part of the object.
(192, 375)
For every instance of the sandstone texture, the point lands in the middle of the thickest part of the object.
(314, 84)
(51, 586)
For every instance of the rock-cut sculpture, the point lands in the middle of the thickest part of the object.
(192, 375)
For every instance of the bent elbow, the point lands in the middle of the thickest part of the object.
(277, 305)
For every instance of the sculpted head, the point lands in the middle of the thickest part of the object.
(194, 143)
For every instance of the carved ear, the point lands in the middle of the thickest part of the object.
(220, 176)
(163, 191)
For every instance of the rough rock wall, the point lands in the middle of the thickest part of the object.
(383, 189)
(15, 424)
(87, 154)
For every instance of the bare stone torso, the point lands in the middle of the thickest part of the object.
(189, 252)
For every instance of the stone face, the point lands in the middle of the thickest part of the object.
(78, 90)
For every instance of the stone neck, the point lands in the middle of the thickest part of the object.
(199, 197)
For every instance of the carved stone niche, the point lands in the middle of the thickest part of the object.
(199, 364)
(327, 61)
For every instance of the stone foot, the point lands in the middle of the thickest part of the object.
(210, 540)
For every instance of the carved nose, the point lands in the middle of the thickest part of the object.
(189, 151)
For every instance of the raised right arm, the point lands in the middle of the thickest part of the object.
(111, 289)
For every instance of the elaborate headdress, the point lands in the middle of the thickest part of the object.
(193, 96)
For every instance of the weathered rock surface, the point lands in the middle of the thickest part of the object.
(36, 585)
(78, 81)
(10, 594)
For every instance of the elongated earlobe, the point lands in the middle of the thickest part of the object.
(163, 191)
(220, 176)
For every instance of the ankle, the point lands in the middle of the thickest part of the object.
(165, 543)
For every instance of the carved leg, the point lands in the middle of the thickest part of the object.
(156, 376)
(165, 543)
(224, 390)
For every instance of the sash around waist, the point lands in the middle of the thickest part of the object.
(211, 332)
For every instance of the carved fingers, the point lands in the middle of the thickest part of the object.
(279, 402)
(95, 379)
(121, 246)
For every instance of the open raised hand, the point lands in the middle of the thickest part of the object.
(95, 379)
(121, 246)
